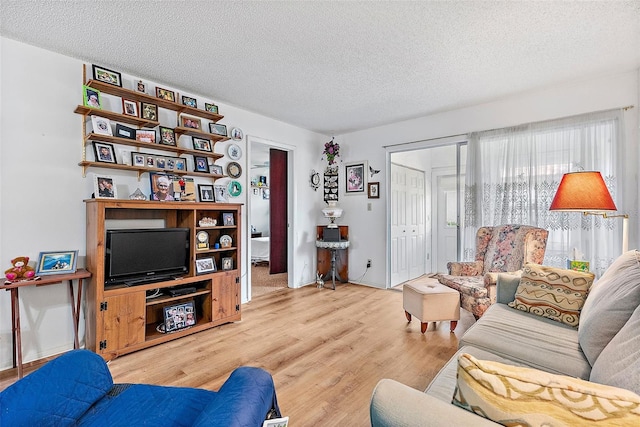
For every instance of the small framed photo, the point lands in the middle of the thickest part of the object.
(227, 218)
(161, 162)
(227, 263)
(179, 316)
(104, 187)
(123, 131)
(166, 94)
(107, 76)
(355, 174)
(189, 101)
(212, 108)
(59, 262)
(91, 97)
(146, 135)
(171, 163)
(215, 169)
(218, 129)
(265, 194)
(138, 159)
(200, 164)
(104, 152)
(129, 107)
(206, 192)
(141, 87)
(101, 126)
(190, 122)
(205, 265)
(201, 144)
(149, 111)
(220, 194)
(181, 164)
(373, 190)
(150, 161)
(167, 136)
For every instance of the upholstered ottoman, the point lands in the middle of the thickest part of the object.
(431, 302)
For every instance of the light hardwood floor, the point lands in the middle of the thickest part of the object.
(325, 349)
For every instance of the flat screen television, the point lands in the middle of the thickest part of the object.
(139, 256)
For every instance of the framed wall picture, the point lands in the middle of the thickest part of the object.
(138, 159)
(373, 190)
(104, 187)
(206, 192)
(91, 97)
(104, 152)
(215, 169)
(181, 164)
(190, 122)
(220, 194)
(150, 161)
(60, 262)
(212, 108)
(201, 144)
(218, 129)
(161, 162)
(167, 136)
(355, 175)
(189, 101)
(166, 94)
(205, 265)
(227, 263)
(149, 111)
(107, 76)
(101, 125)
(146, 135)
(161, 187)
(227, 218)
(200, 164)
(123, 131)
(129, 107)
(141, 87)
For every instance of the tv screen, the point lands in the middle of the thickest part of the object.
(137, 256)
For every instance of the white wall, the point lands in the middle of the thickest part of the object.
(42, 192)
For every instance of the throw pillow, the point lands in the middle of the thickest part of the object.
(512, 395)
(551, 292)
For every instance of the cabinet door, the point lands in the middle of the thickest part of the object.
(124, 323)
(226, 298)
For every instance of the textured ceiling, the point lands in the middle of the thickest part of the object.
(335, 66)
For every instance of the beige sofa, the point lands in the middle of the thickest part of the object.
(603, 349)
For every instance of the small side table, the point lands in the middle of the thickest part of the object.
(334, 247)
(79, 275)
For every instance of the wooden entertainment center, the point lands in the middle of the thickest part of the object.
(121, 319)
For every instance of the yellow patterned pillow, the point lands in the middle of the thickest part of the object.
(515, 396)
(554, 293)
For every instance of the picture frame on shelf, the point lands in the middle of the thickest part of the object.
(205, 265)
(355, 175)
(211, 108)
(227, 218)
(201, 144)
(205, 191)
(178, 316)
(227, 263)
(101, 125)
(129, 107)
(126, 132)
(216, 169)
(184, 189)
(189, 101)
(265, 194)
(218, 129)
(149, 111)
(105, 153)
(150, 161)
(125, 155)
(161, 185)
(104, 187)
(200, 164)
(138, 160)
(146, 135)
(220, 193)
(141, 87)
(190, 122)
(167, 136)
(373, 190)
(107, 76)
(91, 97)
(166, 94)
(181, 165)
(161, 162)
(171, 163)
(58, 262)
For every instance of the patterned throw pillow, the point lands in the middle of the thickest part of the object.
(554, 293)
(517, 396)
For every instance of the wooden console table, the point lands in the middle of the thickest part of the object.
(79, 275)
(340, 258)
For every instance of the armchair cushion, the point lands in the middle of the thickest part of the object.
(469, 268)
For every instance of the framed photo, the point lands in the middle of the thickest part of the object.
(123, 131)
(138, 159)
(212, 108)
(276, 422)
(91, 97)
(107, 76)
(220, 194)
(161, 162)
(190, 122)
(189, 101)
(166, 94)
(215, 169)
(227, 218)
(206, 192)
(373, 190)
(218, 129)
(149, 111)
(161, 187)
(150, 161)
(181, 164)
(104, 187)
(201, 144)
(200, 164)
(141, 87)
(104, 152)
(167, 136)
(265, 194)
(129, 107)
(227, 263)
(178, 316)
(146, 135)
(205, 265)
(184, 189)
(171, 163)
(101, 126)
(355, 175)
(60, 262)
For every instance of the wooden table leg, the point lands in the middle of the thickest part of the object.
(74, 317)
(77, 318)
(17, 339)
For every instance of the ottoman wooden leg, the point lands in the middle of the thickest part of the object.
(453, 325)
(423, 326)
(406, 313)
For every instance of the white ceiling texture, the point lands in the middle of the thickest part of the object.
(339, 66)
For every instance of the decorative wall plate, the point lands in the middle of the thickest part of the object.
(234, 188)
(234, 151)
(225, 241)
(234, 170)
(236, 134)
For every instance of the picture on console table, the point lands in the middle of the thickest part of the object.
(61, 262)
(161, 187)
(104, 187)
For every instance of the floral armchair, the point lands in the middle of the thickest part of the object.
(499, 249)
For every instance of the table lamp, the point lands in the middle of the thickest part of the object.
(586, 192)
(332, 212)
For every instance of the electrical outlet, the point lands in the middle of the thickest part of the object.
(368, 263)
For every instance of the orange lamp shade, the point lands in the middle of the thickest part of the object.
(582, 191)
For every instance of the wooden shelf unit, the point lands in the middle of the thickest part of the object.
(120, 319)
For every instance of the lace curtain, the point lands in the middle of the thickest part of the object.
(513, 173)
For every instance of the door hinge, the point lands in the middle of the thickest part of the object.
(237, 280)
(103, 306)
(237, 307)
(103, 345)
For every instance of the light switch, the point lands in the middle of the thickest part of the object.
(369, 206)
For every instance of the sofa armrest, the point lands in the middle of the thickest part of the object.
(506, 287)
(396, 405)
(468, 268)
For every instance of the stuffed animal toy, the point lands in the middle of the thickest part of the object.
(20, 269)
